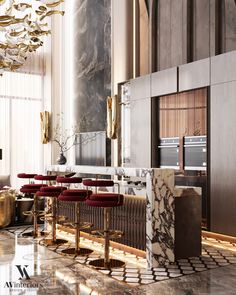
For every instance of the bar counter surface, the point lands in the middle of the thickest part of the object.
(161, 196)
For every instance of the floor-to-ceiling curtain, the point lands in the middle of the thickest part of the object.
(21, 100)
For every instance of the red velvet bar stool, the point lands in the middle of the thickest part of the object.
(105, 201)
(47, 178)
(53, 192)
(32, 189)
(77, 196)
(26, 176)
(68, 180)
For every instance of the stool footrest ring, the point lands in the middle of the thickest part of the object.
(28, 213)
(113, 234)
(32, 212)
(83, 225)
(51, 218)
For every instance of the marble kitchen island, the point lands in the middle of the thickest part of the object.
(173, 214)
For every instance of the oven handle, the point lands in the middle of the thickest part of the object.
(168, 146)
(195, 145)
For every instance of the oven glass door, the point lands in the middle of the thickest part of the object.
(169, 156)
(195, 157)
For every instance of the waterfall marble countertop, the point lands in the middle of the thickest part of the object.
(160, 209)
(126, 188)
(103, 170)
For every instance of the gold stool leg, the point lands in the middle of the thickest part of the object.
(53, 241)
(77, 229)
(54, 216)
(34, 212)
(106, 263)
(107, 214)
(35, 216)
(77, 250)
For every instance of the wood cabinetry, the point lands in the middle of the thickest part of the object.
(183, 114)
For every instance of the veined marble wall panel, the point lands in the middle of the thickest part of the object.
(160, 218)
(92, 64)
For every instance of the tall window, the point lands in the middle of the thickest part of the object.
(21, 100)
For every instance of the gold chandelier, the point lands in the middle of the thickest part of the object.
(22, 26)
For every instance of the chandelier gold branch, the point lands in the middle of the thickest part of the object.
(22, 27)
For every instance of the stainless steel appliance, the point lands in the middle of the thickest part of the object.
(195, 153)
(169, 152)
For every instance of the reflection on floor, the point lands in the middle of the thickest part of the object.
(51, 273)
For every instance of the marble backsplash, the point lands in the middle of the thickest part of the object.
(92, 66)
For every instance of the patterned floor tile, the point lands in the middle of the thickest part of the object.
(215, 253)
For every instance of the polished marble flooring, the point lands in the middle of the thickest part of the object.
(50, 273)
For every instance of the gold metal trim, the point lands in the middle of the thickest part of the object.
(219, 236)
(113, 234)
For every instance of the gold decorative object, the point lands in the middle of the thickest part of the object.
(22, 28)
(35, 213)
(78, 225)
(107, 234)
(54, 219)
(44, 120)
(7, 206)
(112, 117)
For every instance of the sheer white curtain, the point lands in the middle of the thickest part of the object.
(21, 100)
(4, 134)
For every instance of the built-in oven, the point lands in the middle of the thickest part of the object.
(169, 152)
(195, 153)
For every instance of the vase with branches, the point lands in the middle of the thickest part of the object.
(67, 138)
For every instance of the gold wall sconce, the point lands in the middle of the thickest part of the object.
(112, 117)
(44, 120)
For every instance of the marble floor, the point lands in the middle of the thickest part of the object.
(51, 273)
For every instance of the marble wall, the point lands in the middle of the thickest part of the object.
(92, 63)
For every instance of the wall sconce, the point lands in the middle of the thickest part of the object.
(44, 120)
(112, 117)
